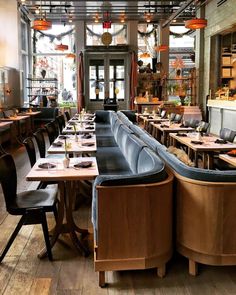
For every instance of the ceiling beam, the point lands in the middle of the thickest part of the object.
(177, 13)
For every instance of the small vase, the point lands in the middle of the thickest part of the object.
(199, 136)
(66, 162)
(76, 137)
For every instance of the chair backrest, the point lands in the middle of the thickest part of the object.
(178, 118)
(51, 131)
(192, 123)
(61, 122)
(172, 116)
(2, 151)
(163, 114)
(30, 148)
(56, 127)
(204, 126)
(9, 113)
(39, 136)
(8, 179)
(227, 134)
(67, 115)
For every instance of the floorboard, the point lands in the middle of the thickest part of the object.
(70, 273)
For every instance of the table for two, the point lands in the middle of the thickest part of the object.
(161, 131)
(66, 179)
(207, 147)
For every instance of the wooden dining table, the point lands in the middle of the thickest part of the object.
(17, 132)
(207, 148)
(66, 178)
(80, 128)
(152, 119)
(229, 159)
(32, 115)
(161, 131)
(79, 147)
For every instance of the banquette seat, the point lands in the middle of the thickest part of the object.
(132, 201)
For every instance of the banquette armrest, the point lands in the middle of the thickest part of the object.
(134, 221)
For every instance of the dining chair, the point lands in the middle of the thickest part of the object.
(30, 148)
(172, 116)
(204, 126)
(61, 122)
(39, 137)
(67, 114)
(178, 118)
(31, 205)
(51, 131)
(227, 134)
(163, 114)
(193, 123)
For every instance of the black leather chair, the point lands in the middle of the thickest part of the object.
(192, 123)
(163, 114)
(29, 145)
(178, 118)
(39, 137)
(204, 126)
(51, 131)
(67, 115)
(61, 122)
(31, 205)
(227, 134)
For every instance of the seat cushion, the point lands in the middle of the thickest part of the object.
(110, 161)
(102, 117)
(122, 136)
(106, 141)
(103, 129)
(45, 198)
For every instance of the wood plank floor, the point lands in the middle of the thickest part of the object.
(22, 272)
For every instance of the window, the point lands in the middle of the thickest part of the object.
(25, 30)
(96, 80)
(116, 79)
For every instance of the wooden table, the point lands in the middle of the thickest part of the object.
(154, 119)
(80, 128)
(65, 178)
(228, 159)
(140, 104)
(16, 122)
(207, 148)
(84, 119)
(77, 148)
(160, 130)
(31, 115)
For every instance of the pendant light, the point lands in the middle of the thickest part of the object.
(42, 24)
(162, 48)
(196, 23)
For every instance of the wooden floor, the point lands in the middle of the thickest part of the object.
(23, 273)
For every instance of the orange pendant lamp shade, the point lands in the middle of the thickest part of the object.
(197, 23)
(42, 24)
(61, 47)
(70, 55)
(162, 48)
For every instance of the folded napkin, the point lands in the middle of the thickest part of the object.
(165, 126)
(57, 143)
(196, 142)
(89, 128)
(88, 144)
(221, 141)
(86, 136)
(182, 134)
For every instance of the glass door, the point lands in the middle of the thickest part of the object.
(107, 79)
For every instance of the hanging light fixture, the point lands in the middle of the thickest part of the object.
(162, 47)
(70, 55)
(61, 47)
(145, 55)
(42, 24)
(196, 23)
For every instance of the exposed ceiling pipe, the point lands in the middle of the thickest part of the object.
(177, 13)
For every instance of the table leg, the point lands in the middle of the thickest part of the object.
(58, 229)
(196, 159)
(165, 138)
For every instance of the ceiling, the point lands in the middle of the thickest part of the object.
(62, 11)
